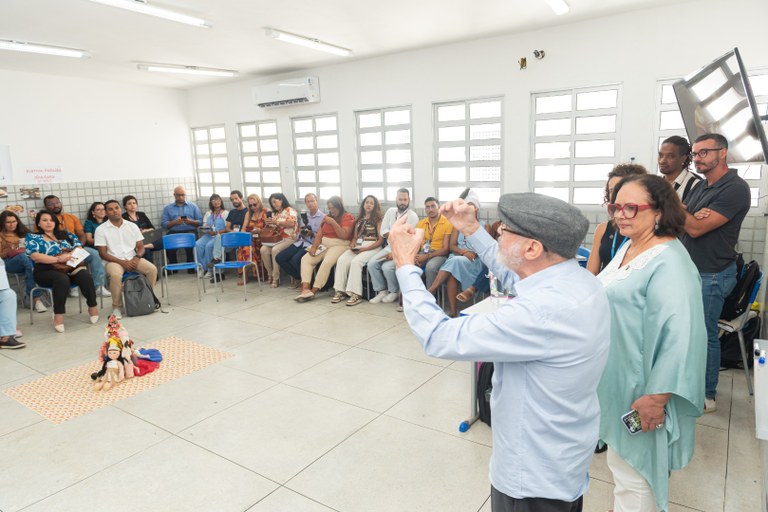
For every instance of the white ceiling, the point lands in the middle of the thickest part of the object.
(118, 39)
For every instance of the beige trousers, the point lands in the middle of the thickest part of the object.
(269, 255)
(326, 260)
(115, 278)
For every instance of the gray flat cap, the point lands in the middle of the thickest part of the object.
(558, 225)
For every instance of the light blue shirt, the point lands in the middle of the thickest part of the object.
(549, 346)
(174, 211)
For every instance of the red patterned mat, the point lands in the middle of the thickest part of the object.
(69, 393)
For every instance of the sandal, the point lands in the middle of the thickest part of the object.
(275, 283)
(466, 295)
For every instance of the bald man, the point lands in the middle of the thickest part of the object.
(181, 217)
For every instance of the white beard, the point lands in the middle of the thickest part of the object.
(513, 258)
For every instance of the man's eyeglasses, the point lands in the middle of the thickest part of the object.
(630, 210)
(503, 227)
(179, 195)
(702, 153)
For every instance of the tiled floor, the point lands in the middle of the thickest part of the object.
(324, 407)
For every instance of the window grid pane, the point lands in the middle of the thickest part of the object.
(469, 149)
(575, 142)
(211, 162)
(316, 155)
(669, 122)
(259, 157)
(384, 153)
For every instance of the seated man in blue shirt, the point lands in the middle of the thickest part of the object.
(181, 217)
(549, 345)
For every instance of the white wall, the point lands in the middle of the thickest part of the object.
(93, 130)
(634, 49)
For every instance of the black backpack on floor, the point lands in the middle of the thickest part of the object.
(484, 387)
(138, 297)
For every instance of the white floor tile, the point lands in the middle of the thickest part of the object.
(400, 341)
(364, 378)
(282, 355)
(285, 500)
(278, 432)
(342, 326)
(183, 402)
(173, 475)
(451, 390)
(392, 465)
(44, 458)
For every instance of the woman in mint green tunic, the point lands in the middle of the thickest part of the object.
(658, 346)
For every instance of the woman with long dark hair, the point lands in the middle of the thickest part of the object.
(282, 217)
(214, 224)
(12, 233)
(364, 244)
(50, 248)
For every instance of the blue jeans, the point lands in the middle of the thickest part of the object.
(714, 289)
(22, 264)
(206, 249)
(7, 313)
(382, 273)
(289, 259)
(95, 267)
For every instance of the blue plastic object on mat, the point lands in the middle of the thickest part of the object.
(153, 353)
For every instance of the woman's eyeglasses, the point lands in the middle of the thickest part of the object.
(630, 210)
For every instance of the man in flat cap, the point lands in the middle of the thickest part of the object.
(549, 345)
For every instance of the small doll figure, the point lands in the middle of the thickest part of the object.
(113, 370)
(128, 358)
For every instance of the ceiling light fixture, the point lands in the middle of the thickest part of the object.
(308, 42)
(142, 7)
(559, 6)
(23, 46)
(187, 70)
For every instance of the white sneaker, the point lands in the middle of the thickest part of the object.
(40, 307)
(379, 297)
(391, 297)
(101, 290)
(117, 313)
(709, 405)
(207, 275)
(74, 292)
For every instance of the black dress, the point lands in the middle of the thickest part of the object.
(143, 222)
(610, 244)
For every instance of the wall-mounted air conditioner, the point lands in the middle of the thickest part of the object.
(287, 92)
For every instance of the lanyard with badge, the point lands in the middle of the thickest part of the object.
(428, 240)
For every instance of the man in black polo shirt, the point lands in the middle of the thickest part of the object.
(716, 209)
(236, 215)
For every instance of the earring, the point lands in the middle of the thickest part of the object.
(656, 227)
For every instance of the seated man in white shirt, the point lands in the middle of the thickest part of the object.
(121, 246)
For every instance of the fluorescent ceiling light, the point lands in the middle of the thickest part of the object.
(141, 6)
(308, 42)
(187, 70)
(559, 6)
(22, 46)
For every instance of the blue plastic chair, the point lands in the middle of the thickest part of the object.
(49, 291)
(172, 243)
(582, 256)
(232, 241)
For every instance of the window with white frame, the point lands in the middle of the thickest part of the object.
(316, 156)
(385, 157)
(468, 152)
(211, 162)
(575, 142)
(669, 122)
(260, 157)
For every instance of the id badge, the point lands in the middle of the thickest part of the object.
(425, 249)
(359, 241)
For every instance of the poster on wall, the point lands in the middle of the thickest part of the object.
(6, 171)
(43, 175)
